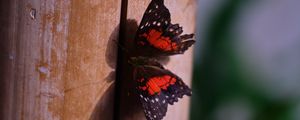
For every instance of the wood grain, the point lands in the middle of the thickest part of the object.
(58, 59)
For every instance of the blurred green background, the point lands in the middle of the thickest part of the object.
(247, 60)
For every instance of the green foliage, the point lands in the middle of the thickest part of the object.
(219, 77)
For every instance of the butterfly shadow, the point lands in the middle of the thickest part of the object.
(120, 101)
(128, 104)
(104, 108)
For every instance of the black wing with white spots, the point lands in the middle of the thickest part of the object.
(157, 36)
(171, 88)
(156, 16)
(155, 107)
(176, 91)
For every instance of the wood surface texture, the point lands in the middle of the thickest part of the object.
(58, 58)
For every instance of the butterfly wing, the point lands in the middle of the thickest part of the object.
(153, 108)
(158, 87)
(158, 36)
(156, 16)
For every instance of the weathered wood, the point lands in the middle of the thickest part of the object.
(58, 59)
(182, 12)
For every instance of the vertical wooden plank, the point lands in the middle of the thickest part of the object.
(182, 12)
(58, 59)
(92, 24)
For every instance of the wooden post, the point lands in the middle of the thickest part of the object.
(58, 59)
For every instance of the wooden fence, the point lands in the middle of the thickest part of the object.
(58, 58)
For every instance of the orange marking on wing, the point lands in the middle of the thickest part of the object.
(164, 43)
(155, 84)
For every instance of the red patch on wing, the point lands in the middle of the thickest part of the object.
(164, 43)
(155, 84)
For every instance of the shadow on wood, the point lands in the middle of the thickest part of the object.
(128, 102)
(104, 107)
(111, 48)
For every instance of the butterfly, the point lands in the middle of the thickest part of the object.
(157, 87)
(157, 36)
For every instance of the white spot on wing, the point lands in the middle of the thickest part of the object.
(156, 99)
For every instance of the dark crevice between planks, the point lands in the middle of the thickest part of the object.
(118, 83)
